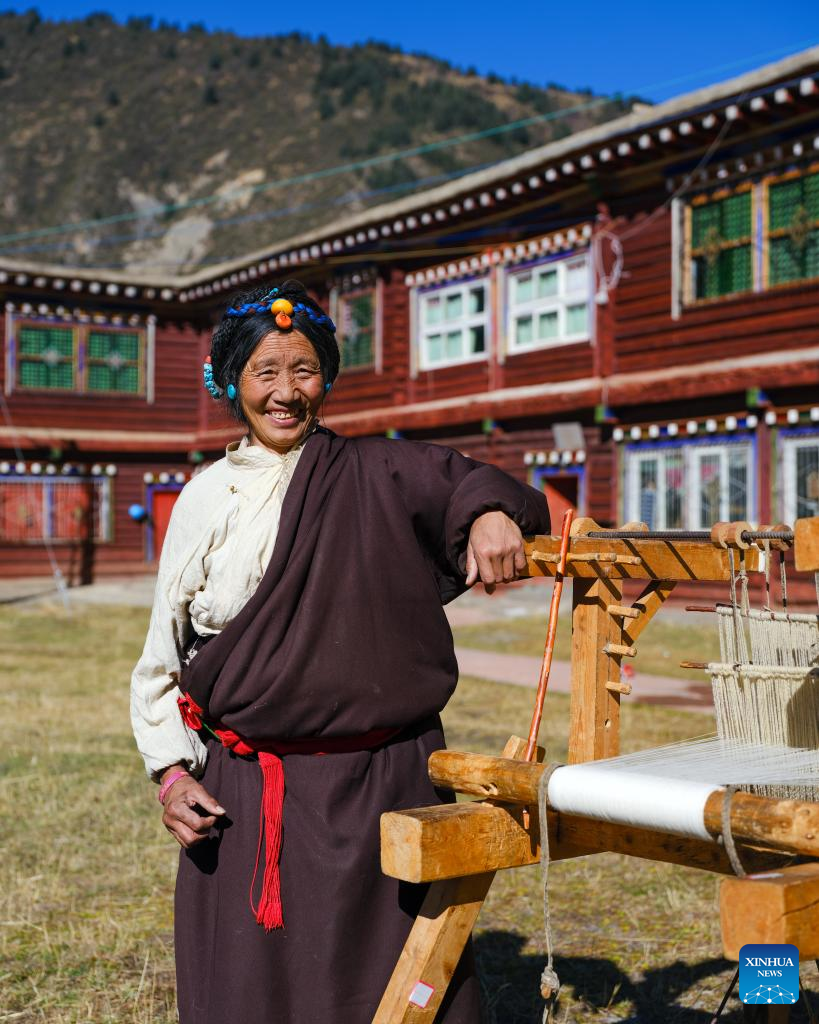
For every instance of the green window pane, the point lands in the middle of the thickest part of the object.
(453, 346)
(357, 350)
(784, 200)
(736, 216)
(810, 195)
(477, 340)
(37, 341)
(435, 349)
(361, 311)
(548, 326)
(704, 220)
(546, 284)
(107, 378)
(788, 261)
(524, 332)
(103, 344)
(40, 375)
(477, 299)
(454, 307)
(523, 288)
(357, 331)
(724, 220)
(433, 311)
(731, 271)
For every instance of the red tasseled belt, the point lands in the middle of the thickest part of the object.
(269, 911)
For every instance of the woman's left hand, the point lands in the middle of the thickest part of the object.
(494, 553)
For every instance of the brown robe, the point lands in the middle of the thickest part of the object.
(345, 634)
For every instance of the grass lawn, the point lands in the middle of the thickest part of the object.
(666, 641)
(86, 871)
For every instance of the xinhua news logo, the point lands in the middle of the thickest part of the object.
(769, 973)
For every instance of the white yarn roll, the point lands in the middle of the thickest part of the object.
(644, 801)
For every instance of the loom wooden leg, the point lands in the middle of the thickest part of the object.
(437, 939)
(432, 951)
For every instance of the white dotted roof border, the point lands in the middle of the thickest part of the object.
(556, 242)
(713, 425)
(74, 315)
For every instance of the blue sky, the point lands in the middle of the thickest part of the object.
(655, 49)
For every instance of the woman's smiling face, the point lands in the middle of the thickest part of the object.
(281, 390)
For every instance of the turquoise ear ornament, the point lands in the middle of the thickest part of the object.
(231, 391)
(210, 385)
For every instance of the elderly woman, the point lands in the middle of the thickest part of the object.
(295, 666)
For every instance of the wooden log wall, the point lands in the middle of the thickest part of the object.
(646, 337)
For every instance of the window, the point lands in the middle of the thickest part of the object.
(800, 476)
(720, 250)
(47, 357)
(793, 229)
(454, 324)
(689, 486)
(548, 304)
(82, 358)
(34, 509)
(356, 326)
(757, 236)
(114, 361)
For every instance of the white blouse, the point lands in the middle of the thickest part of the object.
(217, 547)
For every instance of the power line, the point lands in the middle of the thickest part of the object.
(374, 161)
(265, 215)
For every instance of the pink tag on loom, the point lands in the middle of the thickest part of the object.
(421, 994)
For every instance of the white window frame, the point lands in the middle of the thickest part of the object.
(559, 303)
(790, 443)
(692, 452)
(464, 323)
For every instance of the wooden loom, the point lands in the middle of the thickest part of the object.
(459, 847)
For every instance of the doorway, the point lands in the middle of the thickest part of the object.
(161, 501)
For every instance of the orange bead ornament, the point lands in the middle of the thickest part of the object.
(282, 306)
(283, 320)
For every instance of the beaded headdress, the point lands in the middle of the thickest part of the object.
(282, 310)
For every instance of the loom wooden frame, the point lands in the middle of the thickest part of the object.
(457, 848)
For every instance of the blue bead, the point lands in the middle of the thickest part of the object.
(231, 391)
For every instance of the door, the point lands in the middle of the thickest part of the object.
(561, 493)
(161, 504)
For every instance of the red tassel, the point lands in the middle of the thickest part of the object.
(269, 911)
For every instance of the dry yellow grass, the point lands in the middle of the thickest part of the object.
(86, 869)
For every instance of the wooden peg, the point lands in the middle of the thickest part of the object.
(621, 649)
(583, 525)
(623, 612)
(614, 686)
(783, 545)
(729, 535)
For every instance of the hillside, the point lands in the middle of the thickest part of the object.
(108, 120)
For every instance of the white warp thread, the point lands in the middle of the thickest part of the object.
(595, 790)
(776, 638)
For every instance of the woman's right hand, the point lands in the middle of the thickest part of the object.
(182, 816)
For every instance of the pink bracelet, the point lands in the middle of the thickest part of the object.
(166, 785)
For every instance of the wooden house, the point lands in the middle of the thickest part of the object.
(628, 317)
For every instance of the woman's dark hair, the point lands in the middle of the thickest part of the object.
(236, 337)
